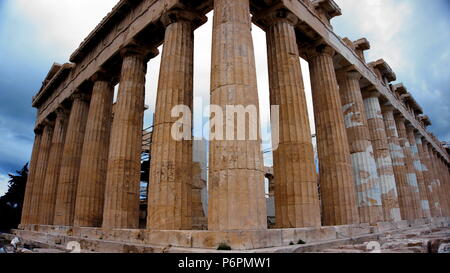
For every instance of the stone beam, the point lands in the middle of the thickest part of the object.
(323, 32)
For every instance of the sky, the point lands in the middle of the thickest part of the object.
(413, 36)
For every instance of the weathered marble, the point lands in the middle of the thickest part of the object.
(337, 186)
(94, 157)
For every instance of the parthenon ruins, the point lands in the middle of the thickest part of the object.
(379, 168)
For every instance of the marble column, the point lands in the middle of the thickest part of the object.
(94, 157)
(236, 169)
(47, 205)
(71, 160)
(440, 184)
(170, 189)
(41, 168)
(26, 208)
(296, 194)
(337, 186)
(121, 207)
(427, 174)
(446, 189)
(435, 181)
(379, 139)
(398, 164)
(411, 177)
(419, 168)
(364, 166)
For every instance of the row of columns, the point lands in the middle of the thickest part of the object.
(85, 166)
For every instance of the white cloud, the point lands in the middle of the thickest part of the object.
(3, 184)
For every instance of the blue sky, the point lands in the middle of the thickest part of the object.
(413, 36)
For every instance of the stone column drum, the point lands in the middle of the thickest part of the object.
(440, 184)
(426, 172)
(41, 168)
(94, 158)
(398, 164)
(378, 136)
(435, 182)
(170, 190)
(367, 181)
(296, 194)
(70, 163)
(26, 208)
(337, 186)
(121, 207)
(47, 206)
(419, 168)
(411, 177)
(236, 170)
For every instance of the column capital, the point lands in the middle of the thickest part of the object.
(399, 117)
(48, 123)
(136, 49)
(318, 50)
(79, 95)
(38, 130)
(272, 17)
(62, 112)
(370, 93)
(102, 75)
(177, 15)
(353, 74)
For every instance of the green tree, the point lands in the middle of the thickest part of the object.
(12, 202)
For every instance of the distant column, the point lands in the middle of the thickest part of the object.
(70, 163)
(389, 193)
(336, 180)
(419, 168)
(121, 207)
(411, 177)
(41, 168)
(94, 159)
(26, 208)
(47, 206)
(170, 190)
(236, 169)
(435, 181)
(367, 181)
(296, 189)
(398, 164)
(427, 173)
(441, 184)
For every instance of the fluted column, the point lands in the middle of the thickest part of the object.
(70, 163)
(47, 206)
(445, 182)
(411, 177)
(435, 182)
(296, 190)
(337, 186)
(236, 170)
(440, 179)
(41, 168)
(121, 207)
(419, 168)
(378, 136)
(426, 172)
(26, 208)
(398, 164)
(170, 190)
(94, 158)
(367, 181)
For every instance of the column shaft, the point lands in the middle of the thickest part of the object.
(440, 185)
(170, 193)
(435, 182)
(70, 163)
(41, 168)
(296, 189)
(411, 177)
(398, 164)
(236, 170)
(428, 175)
(378, 136)
(47, 207)
(94, 159)
(26, 208)
(337, 186)
(367, 181)
(121, 207)
(419, 168)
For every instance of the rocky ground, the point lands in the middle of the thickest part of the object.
(418, 240)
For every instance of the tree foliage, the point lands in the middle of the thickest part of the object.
(12, 202)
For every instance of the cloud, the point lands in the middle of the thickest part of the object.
(3, 184)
